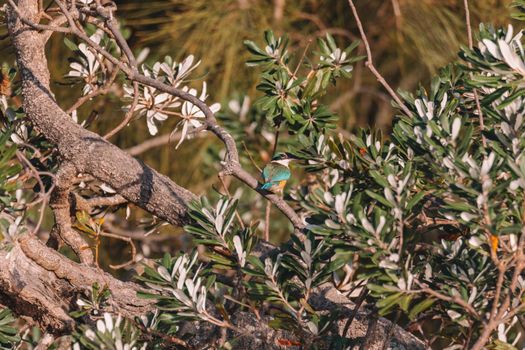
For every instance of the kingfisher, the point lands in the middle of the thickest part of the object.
(276, 173)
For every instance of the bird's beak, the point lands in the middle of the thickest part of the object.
(291, 156)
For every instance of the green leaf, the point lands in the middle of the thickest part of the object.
(379, 198)
(420, 307)
(414, 200)
(70, 44)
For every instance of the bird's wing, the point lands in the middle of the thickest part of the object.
(276, 173)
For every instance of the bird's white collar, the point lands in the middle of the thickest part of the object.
(284, 162)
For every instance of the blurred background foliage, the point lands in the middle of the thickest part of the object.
(410, 40)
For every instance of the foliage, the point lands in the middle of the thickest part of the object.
(292, 99)
(8, 333)
(94, 305)
(110, 333)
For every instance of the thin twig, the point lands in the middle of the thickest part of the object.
(100, 91)
(360, 299)
(36, 26)
(157, 142)
(267, 221)
(475, 91)
(302, 57)
(130, 242)
(43, 196)
(129, 113)
(167, 338)
(456, 299)
(370, 63)
(250, 156)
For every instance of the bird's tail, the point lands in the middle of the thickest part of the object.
(267, 186)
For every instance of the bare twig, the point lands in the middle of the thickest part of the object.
(167, 338)
(370, 63)
(158, 141)
(360, 299)
(129, 113)
(44, 195)
(278, 10)
(301, 59)
(250, 156)
(267, 221)
(475, 91)
(36, 26)
(100, 91)
(456, 299)
(131, 244)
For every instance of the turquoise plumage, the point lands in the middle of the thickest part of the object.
(276, 173)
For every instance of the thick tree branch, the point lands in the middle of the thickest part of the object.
(86, 151)
(61, 210)
(41, 283)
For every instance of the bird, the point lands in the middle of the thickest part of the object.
(276, 173)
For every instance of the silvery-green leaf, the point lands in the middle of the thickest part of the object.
(219, 221)
(109, 321)
(179, 294)
(182, 278)
(312, 327)
(101, 327)
(456, 125)
(163, 272)
(239, 250)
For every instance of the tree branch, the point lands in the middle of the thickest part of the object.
(61, 209)
(85, 150)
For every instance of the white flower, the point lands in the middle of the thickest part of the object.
(273, 52)
(192, 116)
(338, 58)
(340, 203)
(106, 188)
(89, 65)
(467, 216)
(511, 58)
(508, 50)
(143, 54)
(13, 228)
(151, 103)
(453, 314)
(176, 72)
(487, 164)
(81, 302)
